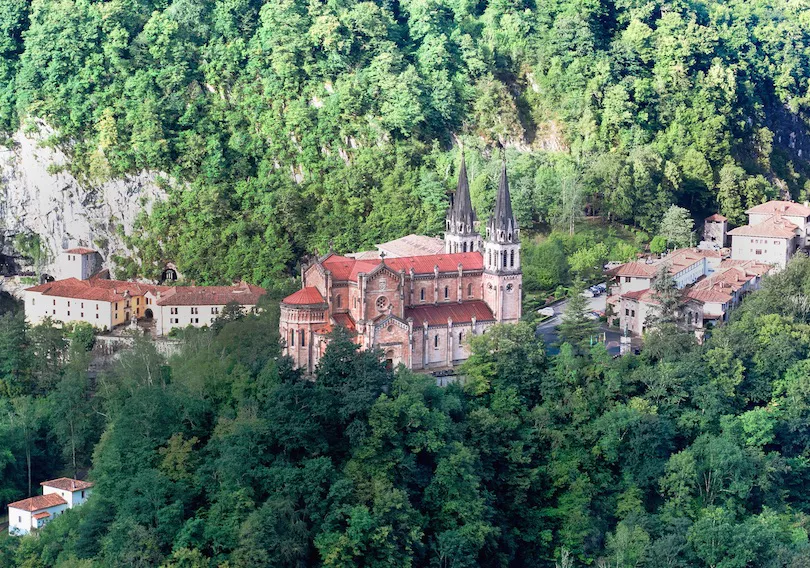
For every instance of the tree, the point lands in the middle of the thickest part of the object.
(576, 327)
(677, 227)
(668, 298)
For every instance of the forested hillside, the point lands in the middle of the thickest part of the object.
(287, 124)
(685, 456)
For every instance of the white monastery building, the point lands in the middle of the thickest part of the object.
(105, 303)
(58, 495)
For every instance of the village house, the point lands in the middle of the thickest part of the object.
(708, 299)
(418, 309)
(58, 495)
(105, 303)
(775, 231)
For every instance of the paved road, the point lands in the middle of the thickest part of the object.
(548, 328)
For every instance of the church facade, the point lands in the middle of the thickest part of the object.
(419, 310)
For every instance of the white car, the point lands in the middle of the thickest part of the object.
(546, 312)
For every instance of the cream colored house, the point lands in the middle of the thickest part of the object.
(775, 231)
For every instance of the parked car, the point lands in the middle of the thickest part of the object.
(592, 315)
(546, 311)
(588, 293)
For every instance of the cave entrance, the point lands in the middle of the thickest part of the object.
(148, 314)
(43, 278)
(168, 275)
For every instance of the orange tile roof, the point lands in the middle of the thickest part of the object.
(308, 296)
(344, 320)
(716, 218)
(39, 502)
(790, 208)
(81, 250)
(446, 262)
(67, 484)
(345, 268)
(42, 515)
(243, 293)
(99, 290)
(770, 227)
(459, 313)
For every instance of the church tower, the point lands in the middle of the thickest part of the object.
(503, 279)
(460, 233)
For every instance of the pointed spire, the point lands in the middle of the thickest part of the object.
(502, 225)
(461, 216)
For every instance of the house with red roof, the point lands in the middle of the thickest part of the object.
(775, 231)
(419, 309)
(58, 495)
(106, 304)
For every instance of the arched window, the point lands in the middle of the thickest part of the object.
(689, 318)
(446, 292)
(436, 341)
(512, 258)
(464, 248)
(292, 338)
(504, 259)
(460, 336)
(469, 289)
(422, 294)
(303, 338)
(337, 298)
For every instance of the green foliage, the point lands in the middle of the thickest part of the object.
(285, 126)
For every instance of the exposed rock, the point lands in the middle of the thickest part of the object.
(37, 195)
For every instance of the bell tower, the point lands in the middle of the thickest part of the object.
(503, 278)
(460, 232)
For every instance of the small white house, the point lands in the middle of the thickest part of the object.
(58, 495)
(73, 491)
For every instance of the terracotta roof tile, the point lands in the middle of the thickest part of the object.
(716, 218)
(243, 293)
(770, 227)
(42, 515)
(347, 269)
(344, 320)
(308, 296)
(459, 313)
(67, 484)
(39, 502)
(790, 208)
(80, 250)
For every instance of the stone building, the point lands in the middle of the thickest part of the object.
(418, 310)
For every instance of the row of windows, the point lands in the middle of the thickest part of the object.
(492, 258)
(436, 339)
(301, 337)
(762, 242)
(194, 311)
(81, 315)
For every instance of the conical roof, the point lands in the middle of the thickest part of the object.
(461, 216)
(503, 225)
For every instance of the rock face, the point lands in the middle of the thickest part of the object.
(37, 197)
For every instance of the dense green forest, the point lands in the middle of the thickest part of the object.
(283, 125)
(684, 456)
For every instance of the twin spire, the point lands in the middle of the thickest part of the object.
(461, 218)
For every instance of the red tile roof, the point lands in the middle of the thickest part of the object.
(96, 289)
(67, 484)
(790, 208)
(635, 269)
(459, 313)
(308, 296)
(771, 227)
(39, 502)
(345, 268)
(243, 293)
(446, 262)
(716, 218)
(80, 250)
(344, 320)
(42, 515)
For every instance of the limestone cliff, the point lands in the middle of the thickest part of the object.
(38, 195)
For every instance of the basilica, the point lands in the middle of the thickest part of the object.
(417, 299)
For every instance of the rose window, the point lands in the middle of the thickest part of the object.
(382, 303)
